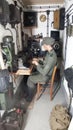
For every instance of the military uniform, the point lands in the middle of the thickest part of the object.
(44, 70)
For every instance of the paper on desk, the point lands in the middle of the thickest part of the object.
(23, 67)
(23, 72)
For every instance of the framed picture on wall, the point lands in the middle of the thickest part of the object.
(30, 19)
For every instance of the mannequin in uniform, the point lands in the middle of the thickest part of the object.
(44, 68)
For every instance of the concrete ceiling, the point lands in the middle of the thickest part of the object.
(42, 2)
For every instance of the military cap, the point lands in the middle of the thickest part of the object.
(48, 41)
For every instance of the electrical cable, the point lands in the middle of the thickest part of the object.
(67, 16)
(68, 74)
(69, 107)
(66, 46)
(66, 37)
(70, 100)
(48, 12)
(69, 8)
(69, 11)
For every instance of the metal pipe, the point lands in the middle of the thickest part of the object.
(69, 8)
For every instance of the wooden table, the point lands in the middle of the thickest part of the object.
(26, 71)
(23, 72)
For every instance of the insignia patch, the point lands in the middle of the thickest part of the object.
(51, 54)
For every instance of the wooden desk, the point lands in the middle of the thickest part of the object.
(23, 72)
(26, 71)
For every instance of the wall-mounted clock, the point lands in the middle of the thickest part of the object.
(43, 18)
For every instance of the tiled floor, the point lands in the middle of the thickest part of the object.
(38, 117)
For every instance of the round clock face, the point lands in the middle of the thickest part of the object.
(42, 18)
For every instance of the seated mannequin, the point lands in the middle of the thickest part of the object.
(44, 68)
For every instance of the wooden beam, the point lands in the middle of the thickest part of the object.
(37, 2)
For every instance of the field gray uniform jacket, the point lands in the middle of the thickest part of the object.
(45, 69)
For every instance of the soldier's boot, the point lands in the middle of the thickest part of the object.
(31, 93)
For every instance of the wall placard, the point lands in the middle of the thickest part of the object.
(30, 19)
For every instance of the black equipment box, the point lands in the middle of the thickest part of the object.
(12, 121)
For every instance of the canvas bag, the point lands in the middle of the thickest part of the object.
(59, 118)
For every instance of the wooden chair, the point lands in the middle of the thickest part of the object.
(40, 88)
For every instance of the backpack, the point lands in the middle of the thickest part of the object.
(59, 118)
